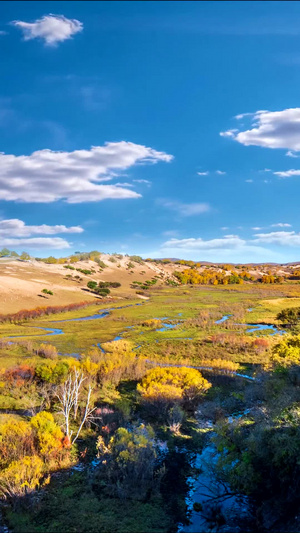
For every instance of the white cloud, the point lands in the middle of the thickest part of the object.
(36, 242)
(287, 173)
(143, 182)
(280, 225)
(228, 248)
(229, 133)
(46, 176)
(224, 228)
(203, 173)
(17, 228)
(279, 129)
(52, 29)
(170, 233)
(228, 241)
(281, 238)
(242, 115)
(220, 172)
(249, 181)
(292, 154)
(256, 229)
(123, 184)
(185, 210)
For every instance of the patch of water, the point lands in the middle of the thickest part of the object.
(223, 319)
(261, 327)
(206, 490)
(166, 326)
(53, 331)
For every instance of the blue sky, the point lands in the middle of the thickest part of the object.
(165, 129)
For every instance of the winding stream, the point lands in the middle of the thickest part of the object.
(254, 327)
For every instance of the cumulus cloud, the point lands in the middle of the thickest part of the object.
(281, 238)
(14, 227)
(280, 225)
(287, 173)
(37, 242)
(53, 29)
(185, 210)
(78, 176)
(271, 129)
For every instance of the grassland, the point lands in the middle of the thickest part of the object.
(181, 306)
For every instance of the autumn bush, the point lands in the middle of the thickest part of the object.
(163, 387)
(27, 314)
(28, 451)
(287, 352)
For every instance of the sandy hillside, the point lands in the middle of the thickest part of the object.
(21, 282)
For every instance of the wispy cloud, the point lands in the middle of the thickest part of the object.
(37, 242)
(53, 29)
(203, 173)
(291, 154)
(281, 225)
(221, 172)
(144, 182)
(185, 210)
(170, 233)
(228, 241)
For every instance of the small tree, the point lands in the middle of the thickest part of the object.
(68, 397)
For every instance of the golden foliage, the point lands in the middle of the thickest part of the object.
(173, 384)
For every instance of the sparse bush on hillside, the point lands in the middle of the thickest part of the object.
(100, 263)
(102, 292)
(47, 291)
(92, 285)
(136, 259)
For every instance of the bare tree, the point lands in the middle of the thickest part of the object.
(69, 399)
